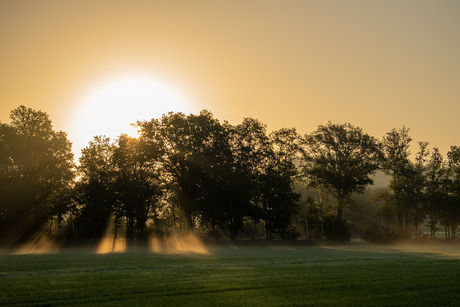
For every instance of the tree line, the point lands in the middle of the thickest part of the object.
(197, 173)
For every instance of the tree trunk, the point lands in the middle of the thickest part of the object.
(234, 228)
(267, 230)
(188, 217)
(307, 228)
(432, 226)
(340, 203)
(116, 232)
(130, 232)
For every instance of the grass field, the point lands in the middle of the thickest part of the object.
(246, 275)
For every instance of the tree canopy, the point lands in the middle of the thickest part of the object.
(341, 159)
(197, 173)
(36, 169)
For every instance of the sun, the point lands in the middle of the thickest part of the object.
(113, 105)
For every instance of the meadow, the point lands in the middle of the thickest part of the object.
(265, 275)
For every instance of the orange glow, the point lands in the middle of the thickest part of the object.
(376, 64)
(108, 244)
(176, 244)
(39, 244)
(111, 107)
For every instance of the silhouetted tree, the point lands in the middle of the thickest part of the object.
(9, 199)
(450, 211)
(341, 159)
(417, 203)
(397, 165)
(279, 201)
(95, 188)
(193, 151)
(36, 167)
(406, 196)
(211, 162)
(435, 194)
(137, 187)
(249, 145)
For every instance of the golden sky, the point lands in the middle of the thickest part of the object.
(376, 64)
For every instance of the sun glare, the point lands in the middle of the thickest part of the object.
(110, 108)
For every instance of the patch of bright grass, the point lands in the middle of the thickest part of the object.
(298, 275)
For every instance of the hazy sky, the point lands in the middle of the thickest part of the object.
(376, 64)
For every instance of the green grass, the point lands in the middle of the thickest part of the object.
(245, 275)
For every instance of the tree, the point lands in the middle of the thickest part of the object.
(8, 177)
(137, 187)
(418, 180)
(36, 167)
(318, 210)
(249, 145)
(95, 187)
(435, 189)
(193, 151)
(341, 159)
(279, 201)
(450, 212)
(396, 164)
